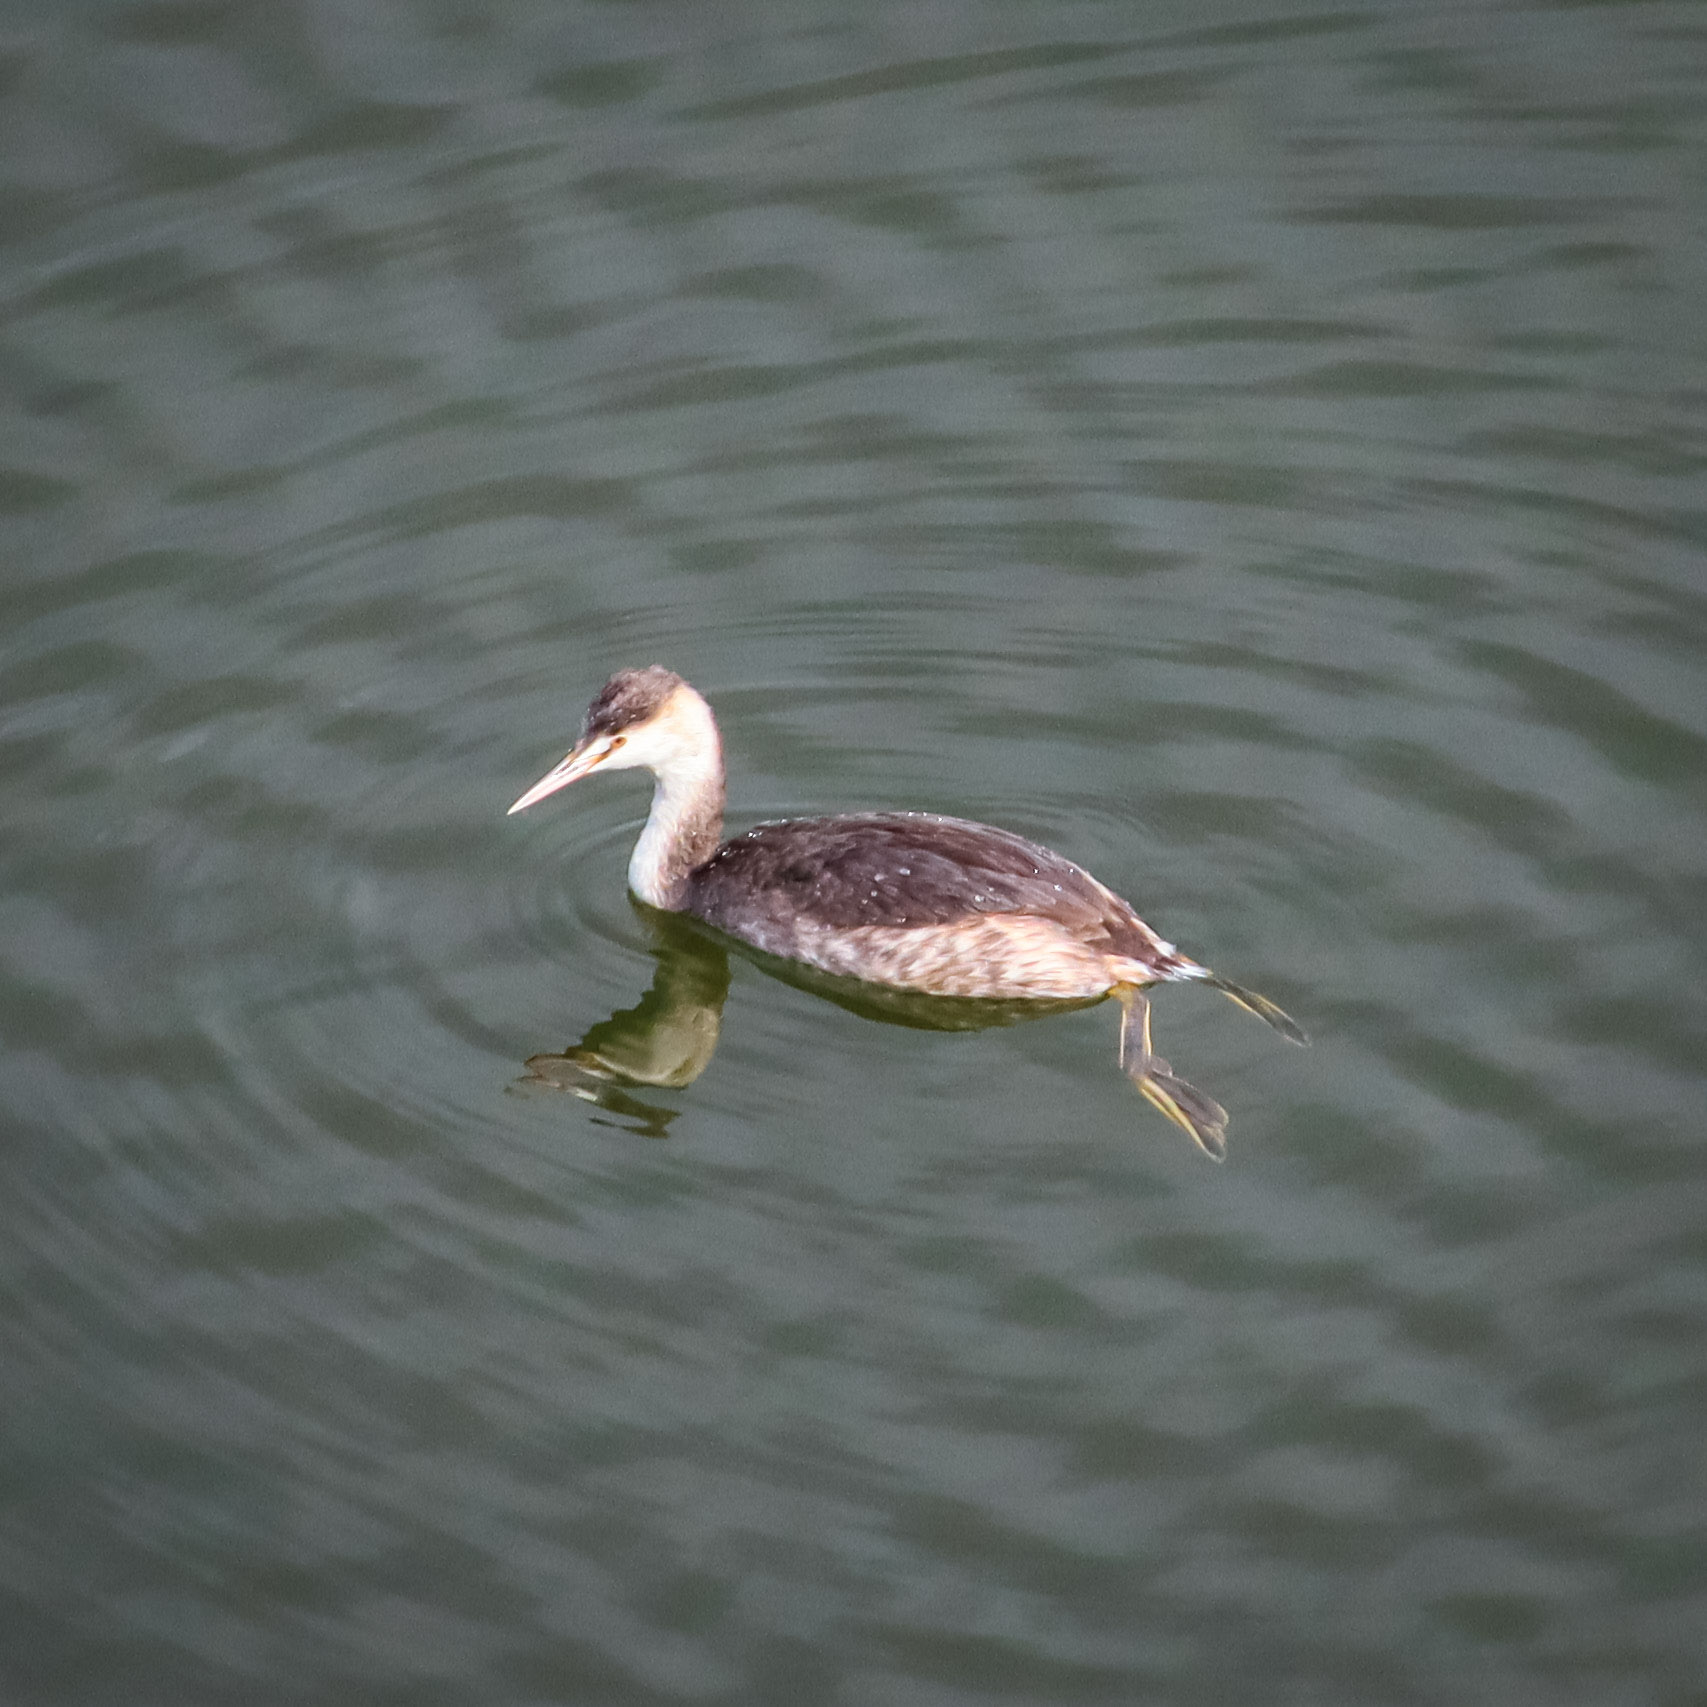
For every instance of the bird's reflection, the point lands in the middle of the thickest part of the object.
(666, 1040)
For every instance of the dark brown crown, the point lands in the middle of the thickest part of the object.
(629, 697)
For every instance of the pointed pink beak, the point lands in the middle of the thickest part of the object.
(584, 757)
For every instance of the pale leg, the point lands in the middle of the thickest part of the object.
(1183, 1104)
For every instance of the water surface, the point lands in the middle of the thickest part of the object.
(1258, 452)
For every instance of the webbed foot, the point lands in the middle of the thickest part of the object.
(1269, 1012)
(1185, 1105)
(1188, 1108)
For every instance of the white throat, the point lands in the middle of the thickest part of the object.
(677, 801)
(683, 752)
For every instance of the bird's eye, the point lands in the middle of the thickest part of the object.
(616, 741)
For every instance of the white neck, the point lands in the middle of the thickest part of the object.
(684, 753)
(656, 868)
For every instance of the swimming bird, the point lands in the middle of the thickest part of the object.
(908, 900)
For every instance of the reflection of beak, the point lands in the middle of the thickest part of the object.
(586, 756)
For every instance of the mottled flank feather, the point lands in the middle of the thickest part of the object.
(928, 903)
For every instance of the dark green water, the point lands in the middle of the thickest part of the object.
(1260, 452)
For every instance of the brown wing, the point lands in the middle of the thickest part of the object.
(898, 869)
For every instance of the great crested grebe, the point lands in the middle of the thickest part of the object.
(908, 900)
